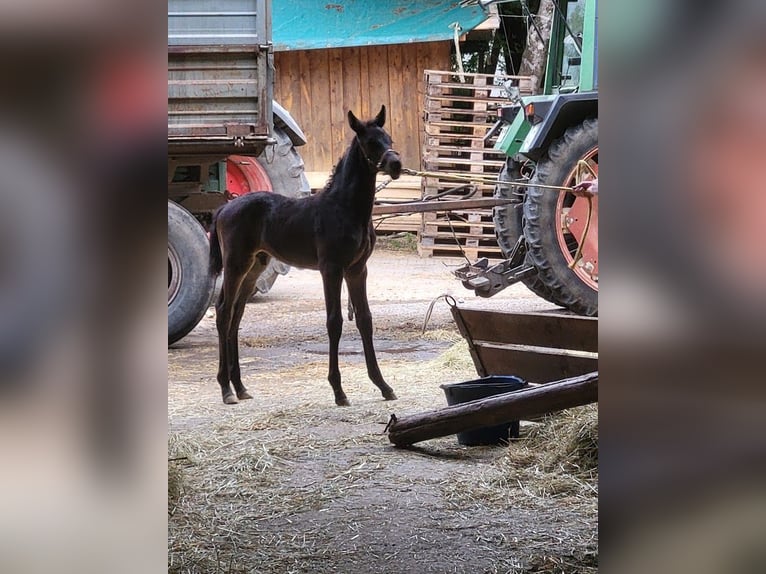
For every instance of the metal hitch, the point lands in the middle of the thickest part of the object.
(486, 281)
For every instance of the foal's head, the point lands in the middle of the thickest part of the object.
(376, 143)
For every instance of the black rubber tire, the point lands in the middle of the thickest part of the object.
(509, 227)
(566, 288)
(188, 254)
(284, 166)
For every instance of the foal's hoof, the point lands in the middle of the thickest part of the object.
(244, 395)
(342, 402)
(390, 396)
(230, 399)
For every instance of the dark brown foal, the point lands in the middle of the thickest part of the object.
(331, 232)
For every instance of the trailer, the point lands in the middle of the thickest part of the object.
(226, 137)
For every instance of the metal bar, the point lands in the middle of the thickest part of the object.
(474, 178)
(425, 206)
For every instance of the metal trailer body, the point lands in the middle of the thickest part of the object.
(220, 77)
(220, 91)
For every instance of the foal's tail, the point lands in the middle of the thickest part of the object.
(216, 257)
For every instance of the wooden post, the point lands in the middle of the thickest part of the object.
(537, 400)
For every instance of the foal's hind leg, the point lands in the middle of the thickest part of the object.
(245, 291)
(225, 311)
(356, 280)
(332, 279)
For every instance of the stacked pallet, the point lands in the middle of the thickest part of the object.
(457, 117)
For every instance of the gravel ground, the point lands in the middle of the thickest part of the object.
(288, 482)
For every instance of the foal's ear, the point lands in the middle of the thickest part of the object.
(355, 124)
(380, 119)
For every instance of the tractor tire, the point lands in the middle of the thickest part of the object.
(509, 227)
(543, 225)
(284, 166)
(190, 284)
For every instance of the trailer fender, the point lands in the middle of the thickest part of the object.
(283, 119)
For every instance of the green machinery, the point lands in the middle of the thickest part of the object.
(550, 237)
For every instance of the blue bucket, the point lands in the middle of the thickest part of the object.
(459, 393)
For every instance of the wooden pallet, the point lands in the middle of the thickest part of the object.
(458, 234)
(457, 117)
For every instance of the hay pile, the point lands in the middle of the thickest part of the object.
(558, 455)
(553, 466)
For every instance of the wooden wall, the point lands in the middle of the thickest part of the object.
(318, 87)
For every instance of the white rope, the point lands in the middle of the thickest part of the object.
(456, 27)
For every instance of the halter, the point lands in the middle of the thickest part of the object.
(378, 165)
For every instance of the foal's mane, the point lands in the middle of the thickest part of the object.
(341, 162)
(337, 168)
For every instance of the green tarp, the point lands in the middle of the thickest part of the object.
(311, 24)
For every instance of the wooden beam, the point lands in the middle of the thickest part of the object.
(534, 364)
(556, 330)
(513, 406)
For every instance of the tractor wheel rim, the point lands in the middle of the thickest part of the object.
(244, 175)
(571, 213)
(174, 274)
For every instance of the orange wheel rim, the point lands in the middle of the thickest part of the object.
(572, 214)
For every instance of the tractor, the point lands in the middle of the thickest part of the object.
(550, 236)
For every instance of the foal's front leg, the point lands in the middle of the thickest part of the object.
(332, 279)
(356, 280)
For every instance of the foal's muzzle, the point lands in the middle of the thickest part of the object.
(391, 163)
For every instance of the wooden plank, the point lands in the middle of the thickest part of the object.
(464, 116)
(378, 78)
(306, 117)
(396, 224)
(289, 74)
(321, 121)
(338, 118)
(398, 111)
(447, 148)
(424, 60)
(446, 244)
(364, 82)
(561, 331)
(466, 161)
(447, 234)
(352, 87)
(450, 136)
(513, 406)
(448, 85)
(531, 366)
(441, 223)
(407, 137)
(539, 350)
(461, 124)
(435, 97)
(278, 59)
(472, 253)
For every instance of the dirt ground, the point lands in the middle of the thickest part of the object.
(290, 483)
